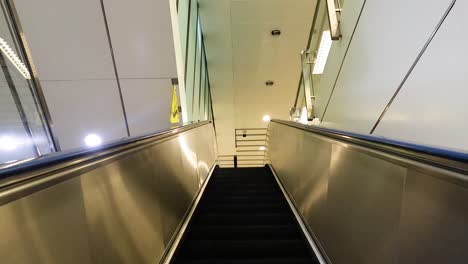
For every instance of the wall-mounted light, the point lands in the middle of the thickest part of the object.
(93, 140)
(269, 83)
(322, 55)
(15, 60)
(266, 118)
(8, 143)
(262, 148)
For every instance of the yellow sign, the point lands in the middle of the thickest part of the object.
(175, 107)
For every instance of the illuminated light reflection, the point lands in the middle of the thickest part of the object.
(93, 140)
(15, 60)
(8, 143)
(262, 148)
(304, 119)
(189, 154)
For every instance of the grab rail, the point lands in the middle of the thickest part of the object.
(442, 158)
(60, 161)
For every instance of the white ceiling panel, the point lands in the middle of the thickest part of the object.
(242, 55)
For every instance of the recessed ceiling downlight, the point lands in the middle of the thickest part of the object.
(276, 32)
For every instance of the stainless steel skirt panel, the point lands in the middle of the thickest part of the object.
(126, 211)
(364, 206)
(46, 227)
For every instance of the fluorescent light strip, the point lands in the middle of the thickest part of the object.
(15, 60)
(324, 50)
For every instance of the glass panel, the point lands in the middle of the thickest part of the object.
(202, 99)
(197, 77)
(320, 43)
(23, 132)
(191, 59)
(183, 13)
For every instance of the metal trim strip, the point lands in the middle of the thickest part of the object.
(114, 63)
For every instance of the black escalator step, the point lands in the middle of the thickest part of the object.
(244, 199)
(243, 219)
(250, 261)
(238, 249)
(246, 191)
(245, 208)
(237, 232)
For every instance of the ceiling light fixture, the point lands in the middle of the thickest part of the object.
(322, 55)
(15, 60)
(266, 118)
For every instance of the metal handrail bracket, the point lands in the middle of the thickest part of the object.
(334, 20)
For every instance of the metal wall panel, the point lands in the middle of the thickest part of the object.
(433, 221)
(125, 211)
(122, 207)
(363, 208)
(366, 206)
(291, 165)
(313, 190)
(206, 154)
(42, 228)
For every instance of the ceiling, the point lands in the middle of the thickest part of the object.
(242, 54)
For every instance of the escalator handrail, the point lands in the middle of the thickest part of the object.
(443, 158)
(60, 160)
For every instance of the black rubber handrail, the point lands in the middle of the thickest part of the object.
(443, 158)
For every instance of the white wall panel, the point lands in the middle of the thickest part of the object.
(148, 104)
(387, 40)
(141, 34)
(82, 107)
(67, 39)
(431, 107)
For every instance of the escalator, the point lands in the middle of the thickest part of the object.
(243, 217)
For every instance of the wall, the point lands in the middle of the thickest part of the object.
(75, 62)
(384, 42)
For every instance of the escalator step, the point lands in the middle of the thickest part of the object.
(250, 261)
(243, 218)
(236, 232)
(238, 249)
